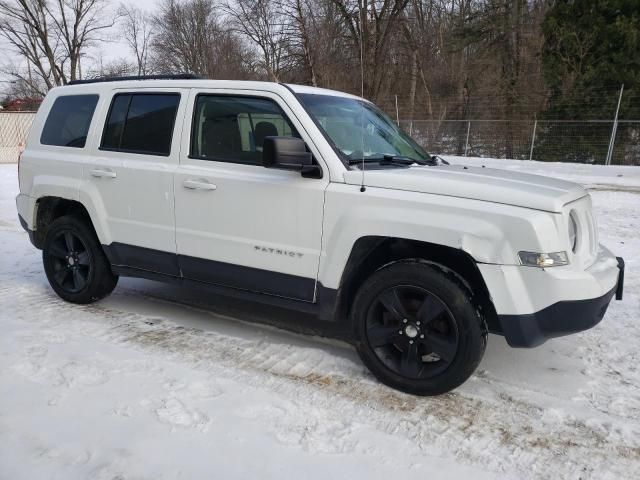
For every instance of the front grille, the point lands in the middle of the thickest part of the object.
(593, 233)
(587, 232)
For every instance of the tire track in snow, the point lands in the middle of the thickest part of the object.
(326, 398)
(503, 434)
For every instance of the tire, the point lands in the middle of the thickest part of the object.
(75, 264)
(417, 329)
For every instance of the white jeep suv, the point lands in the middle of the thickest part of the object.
(315, 201)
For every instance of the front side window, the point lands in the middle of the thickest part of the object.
(359, 129)
(233, 129)
(68, 122)
(141, 123)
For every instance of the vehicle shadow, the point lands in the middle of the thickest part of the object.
(552, 368)
(198, 308)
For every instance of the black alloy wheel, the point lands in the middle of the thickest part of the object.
(417, 328)
(412, 331)
(71, 261)
(74, 261)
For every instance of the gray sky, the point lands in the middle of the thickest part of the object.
(109, 50)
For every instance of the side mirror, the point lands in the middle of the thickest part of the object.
(289, 153)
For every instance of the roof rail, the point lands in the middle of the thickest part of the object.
(177, 76)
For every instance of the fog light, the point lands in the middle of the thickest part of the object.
(542, 260)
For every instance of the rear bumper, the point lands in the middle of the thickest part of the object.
(24, 225)
(26, 206)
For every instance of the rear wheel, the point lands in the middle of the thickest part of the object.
(417, 329)
(75, 264)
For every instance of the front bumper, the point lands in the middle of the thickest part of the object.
(536, 304)
(562, 318)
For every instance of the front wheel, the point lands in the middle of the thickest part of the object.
(75, 264)
(417, 329)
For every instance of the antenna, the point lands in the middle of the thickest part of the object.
(362, 187)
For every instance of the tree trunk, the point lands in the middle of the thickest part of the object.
(412, 88)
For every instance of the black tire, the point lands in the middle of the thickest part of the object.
(417, 329)
(75, 264)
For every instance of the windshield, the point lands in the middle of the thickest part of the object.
(358, 128)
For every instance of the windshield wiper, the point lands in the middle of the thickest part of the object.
(390, 160)
(402, 160)
(437, 160)
(356, 161)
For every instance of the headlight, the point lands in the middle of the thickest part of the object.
(573, 231)
(542, 260)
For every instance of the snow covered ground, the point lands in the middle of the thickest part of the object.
(157, 382)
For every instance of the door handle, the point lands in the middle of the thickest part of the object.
(198, 185)
(97, 172)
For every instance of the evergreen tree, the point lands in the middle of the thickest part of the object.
(591, 47)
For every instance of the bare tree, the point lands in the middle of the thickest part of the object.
(26, 25)
(263, 22)
(79, 24)
(102, 67)
(184, 33)
(231, 58)
(439, 60)
(189, 38)
(331, 51)
(298, 23)
(19, 89)
(53, 35)
(370, 25)
(136, 29)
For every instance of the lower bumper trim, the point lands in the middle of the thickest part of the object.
(559, 319)
(24, 225)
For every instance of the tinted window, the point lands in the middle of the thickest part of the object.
(68, 122)
(233, 128)
(141, 123)
(115, 123)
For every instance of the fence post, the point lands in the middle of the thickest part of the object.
(533, 138)
(397, 112)
(466, 145)
(614, 130)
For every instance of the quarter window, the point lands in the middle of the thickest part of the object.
(233, 129)
(141, 123)
(68, 122)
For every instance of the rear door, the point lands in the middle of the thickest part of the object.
(239, 224)
(131, 176)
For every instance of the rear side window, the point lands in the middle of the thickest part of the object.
(233, 129)
(68, 122)
(141, 123)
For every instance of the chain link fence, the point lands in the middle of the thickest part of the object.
(14, 127)
(589, 141)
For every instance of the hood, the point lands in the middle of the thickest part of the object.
(486, 184)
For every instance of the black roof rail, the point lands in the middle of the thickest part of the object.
(177, 76)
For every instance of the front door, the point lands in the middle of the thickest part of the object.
(239, 224)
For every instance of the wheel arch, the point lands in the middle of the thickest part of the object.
(371, 253)
(50, 208)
